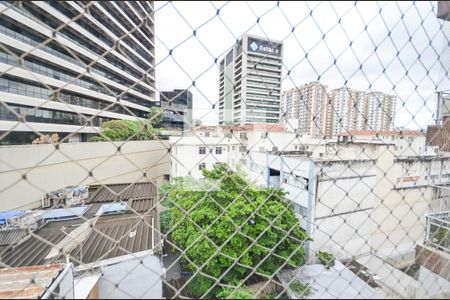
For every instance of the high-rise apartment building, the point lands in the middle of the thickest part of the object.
(177, 105)
(348, 110)
(250, 82)
(324, 114)
(311, 105)
(380, 111)
(84, 62)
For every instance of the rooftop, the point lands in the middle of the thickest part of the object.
(271, 127)
(408, 133)
(27, 282)
(86, 238)
(336, 283)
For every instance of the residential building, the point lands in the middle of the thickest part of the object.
(77, 69)
(439, 134)
(311, 105)
(348, 110)
(177, 105)
(407, 142)
(323, 114)
(380, 111)
(250, 82)
(362, 195)
(204, 146)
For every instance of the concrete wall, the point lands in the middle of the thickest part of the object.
(133, 276)
(432, 285)
(27, 172)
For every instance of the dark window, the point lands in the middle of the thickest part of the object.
(218, 150)
(202, 166)
(202, 150)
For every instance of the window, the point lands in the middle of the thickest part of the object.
(206, 134)
(202, 166)
(274, 149)
(232, 147)
(218, 150)
(301, 210)
(242, 149)
(202, 150)
(243, 135)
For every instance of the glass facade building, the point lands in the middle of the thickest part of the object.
(177, 105)
(67, 67)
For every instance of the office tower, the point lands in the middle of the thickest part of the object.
(250, 82)
(84, 63)
(311, 105)
(177, 105)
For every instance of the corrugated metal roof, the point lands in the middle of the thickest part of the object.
(34, 248)
(124, 192)
(11, 236)
(141, 205)
(116, 236)
(133, 233)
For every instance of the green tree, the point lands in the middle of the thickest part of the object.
(235, 293)
(122, 130)
(326, 259)
(134, 130)
(155, 115)
(247, 211)
(196, 123)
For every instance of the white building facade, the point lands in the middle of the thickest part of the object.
(250, 82)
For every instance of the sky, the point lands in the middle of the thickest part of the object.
(391, 47)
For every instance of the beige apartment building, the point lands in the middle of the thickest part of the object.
(326, 114)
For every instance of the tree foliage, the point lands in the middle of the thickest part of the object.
(235, 293)
(133, 130)
(197, 122)
(326, 259)
(226, 211)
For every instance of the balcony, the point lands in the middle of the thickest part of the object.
(438, 231)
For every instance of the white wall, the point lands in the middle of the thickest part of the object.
(137, 275)
(432, 285)
(27, 172)
(186, 158)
